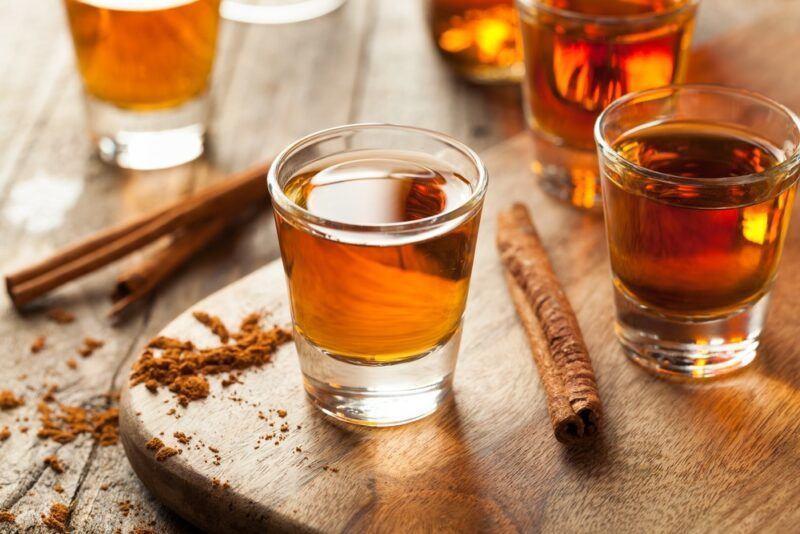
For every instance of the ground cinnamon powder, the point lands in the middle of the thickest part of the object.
(182, 367)
(165, 452)
(162, 451)
(54, 463)
(214, 324)
(66, 423)
(154, 444)
(90, 345)
(38, 344)
(9, 401)
(60, 316)
(189, 388)
(57, 517)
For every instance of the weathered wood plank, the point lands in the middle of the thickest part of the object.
(290, 80)
(34, 63)
(404, 81)
(370, 61)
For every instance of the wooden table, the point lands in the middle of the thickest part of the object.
(370, 61)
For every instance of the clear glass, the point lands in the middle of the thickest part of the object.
(694, 256)
(580, 55)
(277, 11)
(377, 308)
(145, 67)
(479, 39)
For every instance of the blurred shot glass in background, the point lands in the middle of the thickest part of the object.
(146, 67)
(377, 227)
(479, 39)
(581, 55)
(277, 11)
(698, 184)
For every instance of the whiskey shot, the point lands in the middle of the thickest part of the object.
(698, 186)
(377, 227)
(581, 55)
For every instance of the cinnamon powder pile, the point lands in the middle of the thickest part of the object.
(214, 324)
(57, 517)
(182, 367)
(9, 401)
(67, 422)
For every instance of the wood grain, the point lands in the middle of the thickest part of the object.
(674, 457)
(370, 61)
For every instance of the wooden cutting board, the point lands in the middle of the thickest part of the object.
(673, 457)
(716, 456)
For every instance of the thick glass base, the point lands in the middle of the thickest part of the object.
(378, 395)
(147, 140)
(276, 11)
(689, 348)
(566, 173)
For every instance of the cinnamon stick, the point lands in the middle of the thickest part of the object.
(556, 341)
(140, 280)
(221, 199)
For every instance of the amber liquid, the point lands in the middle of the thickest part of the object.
(144, 55)
(386, 299)
(688, 250)
(479, 38)
(575, 68)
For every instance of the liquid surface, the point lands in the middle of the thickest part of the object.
(695, 151)
(136, 5)
(480, 38)
(144, 55)
(575, 68)
(375, 191)
(616, 8)
(378, 303)
(691, 251)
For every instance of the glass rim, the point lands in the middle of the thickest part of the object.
(284, 203)
(793, 160)
(641, 18)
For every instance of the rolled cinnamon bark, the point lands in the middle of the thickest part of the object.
(553, 331)
(225, 198)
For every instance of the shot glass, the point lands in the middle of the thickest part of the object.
(145, 67)
(277, 11)
(698, 185)
(479, 39)
(377, 227)
(581, 55)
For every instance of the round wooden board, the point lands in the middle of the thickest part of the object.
(719, 456)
